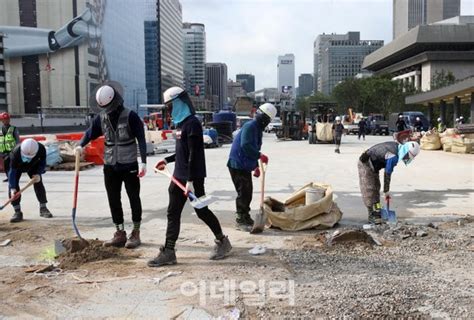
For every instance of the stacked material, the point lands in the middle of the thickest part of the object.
(296, 213)
(465, 128)
(430, 141)
(324, 131)
(447, 139)
(462, 145)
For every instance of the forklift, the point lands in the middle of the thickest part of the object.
(293, 126)
(322, 116)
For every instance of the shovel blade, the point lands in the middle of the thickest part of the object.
(201, 202)
(389, 215)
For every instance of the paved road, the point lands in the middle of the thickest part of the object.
(435, 183)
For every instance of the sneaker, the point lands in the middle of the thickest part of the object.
(134, 240)
(17, 217)
(45, 213)
(119, 239)
(375, 217)
(165, 257)
(244, 223)
(221, 249)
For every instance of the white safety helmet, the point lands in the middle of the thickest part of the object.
(29, 148)
(439, 119)
(104, 95)
(457, 119)
(413, 150)
(269, 109)
(400, 116)
(461, 118)
(338, 118)
(171, 94)
(417, 118)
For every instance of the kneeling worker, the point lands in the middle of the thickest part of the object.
(243, 159)
(29, 157)
(122, 128)
(385, 156)
(190, 170)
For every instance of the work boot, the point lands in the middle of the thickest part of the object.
(119, 239)
(134, 240)
(17, 217)
(45, 213)
(375, 217)
(221, 249)
(5, 180)
(165, 257)
(244, 222)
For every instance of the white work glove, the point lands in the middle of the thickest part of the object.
(14, 194)
(78, 149)
(36, 177)
(161, 165)
(189, 188)
(141, 170)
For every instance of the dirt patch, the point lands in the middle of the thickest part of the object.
(95, 251)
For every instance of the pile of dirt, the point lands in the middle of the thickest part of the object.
(94, 251)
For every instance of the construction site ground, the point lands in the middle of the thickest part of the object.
(420, 268)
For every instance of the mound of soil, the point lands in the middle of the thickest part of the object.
(94, 251)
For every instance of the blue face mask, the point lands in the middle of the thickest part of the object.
(180, 111)
(25, 159)
(403, 150)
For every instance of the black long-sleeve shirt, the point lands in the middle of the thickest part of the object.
(136, 127)
(190, 159)
(37, 165)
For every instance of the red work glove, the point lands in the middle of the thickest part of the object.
(263, 158)
(161, 165)
(256, 172)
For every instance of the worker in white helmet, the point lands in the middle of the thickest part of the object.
(29, 157)
(190, 170)
(386, 156)
(337, 130)
(243, 159)
(441, 126)
(123, 131)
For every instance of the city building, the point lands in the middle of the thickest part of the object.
(49, 68)
(419, 54)
(305, 84)
(247, 80)
(286, 74)
(408, 14)
(234, 90)
(194, 47)
(163, 47)
(338, 57)
(3, 78)
(216, 83)
(425, 51)
(42, 73)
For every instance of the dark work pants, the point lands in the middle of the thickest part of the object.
(6, 163)
(243, 185)
(113, 184)
(40, 191)
(362, 133)
(177, 200)
(337, 140)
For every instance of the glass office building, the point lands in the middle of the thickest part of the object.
(194, 49)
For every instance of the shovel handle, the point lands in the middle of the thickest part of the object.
(168, 174)
(16, 195)
(263, 169)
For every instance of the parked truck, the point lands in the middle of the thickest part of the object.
(377, 124)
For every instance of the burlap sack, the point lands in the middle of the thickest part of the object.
(462, 145)
(430, 141)
(324, 131)
(294, 215)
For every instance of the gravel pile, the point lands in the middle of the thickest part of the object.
(418, 272)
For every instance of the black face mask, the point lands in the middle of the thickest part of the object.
(262, 119)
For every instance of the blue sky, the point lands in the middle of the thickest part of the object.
(248, 35)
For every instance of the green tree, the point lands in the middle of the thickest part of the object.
(303, 103)
(442, 79)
